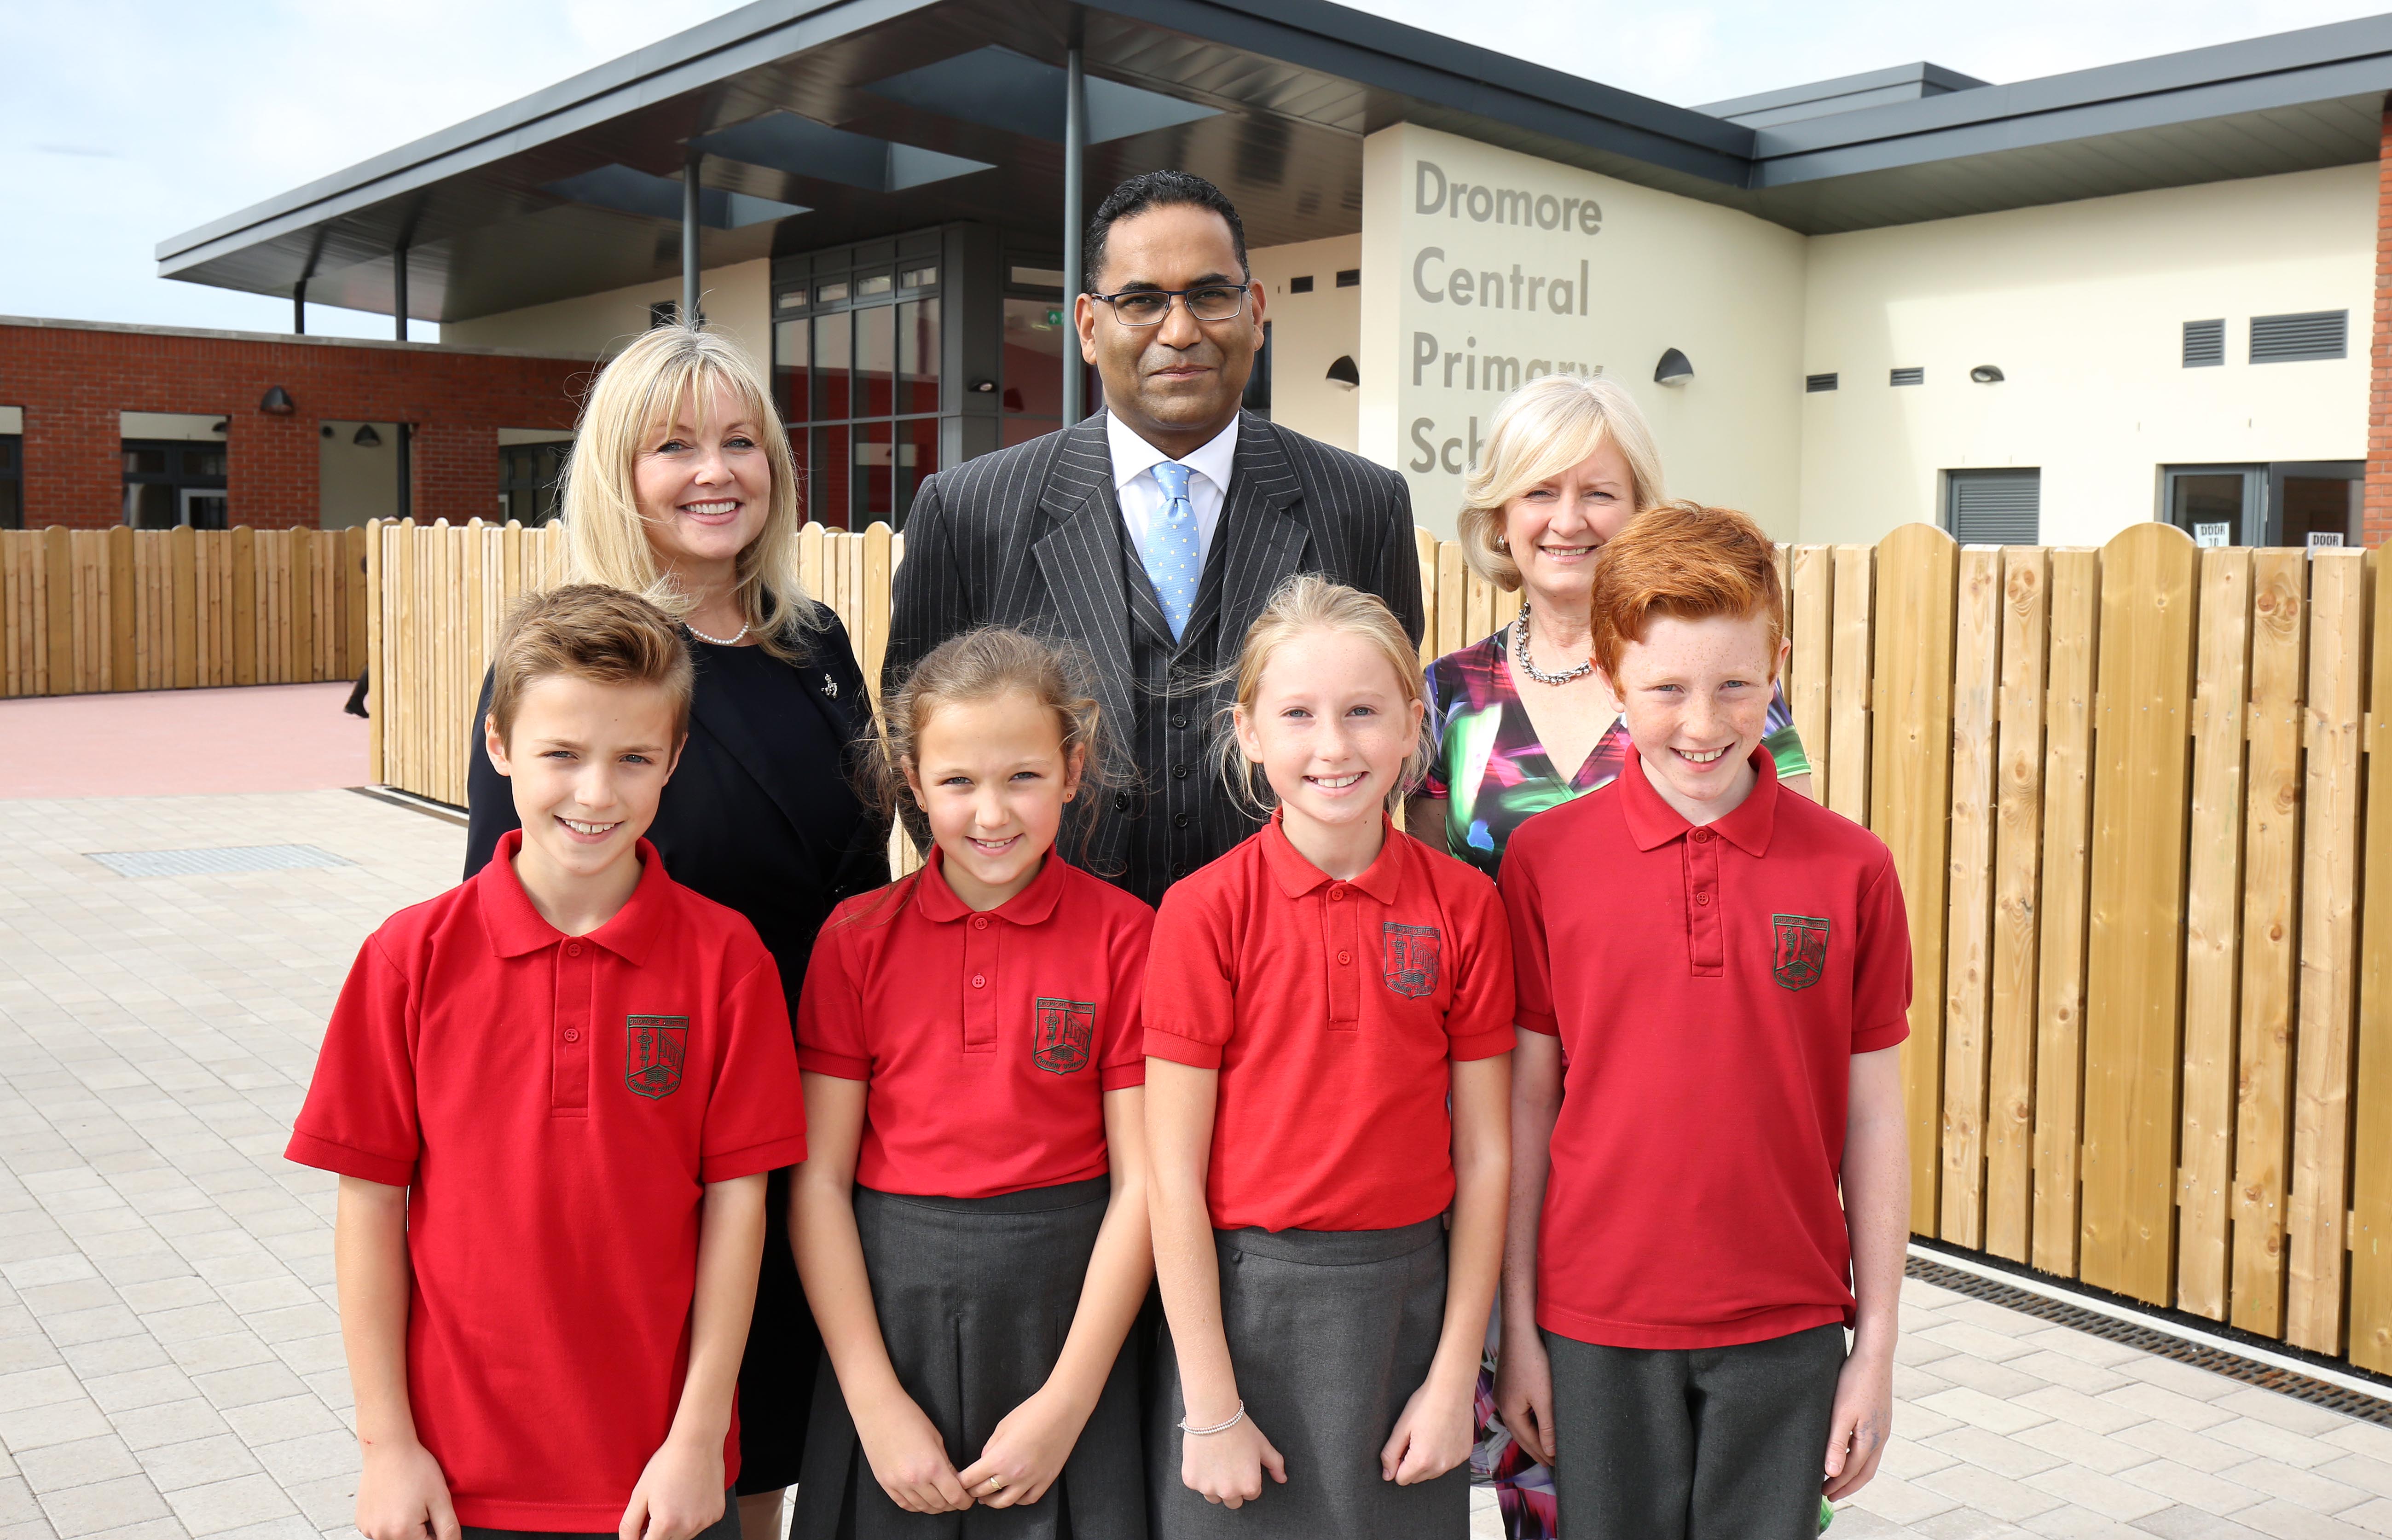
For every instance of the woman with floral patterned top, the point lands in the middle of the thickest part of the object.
(1520, 720)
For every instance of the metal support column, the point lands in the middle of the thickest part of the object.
(399, 290)
(689, 210)
(1076, 171)
(299, 308)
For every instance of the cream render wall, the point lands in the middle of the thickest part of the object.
(735, 299)
(1312, 331)
(1637, 271)
(2081, 307)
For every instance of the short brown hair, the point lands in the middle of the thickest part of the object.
(589, 631)
(1689, 562)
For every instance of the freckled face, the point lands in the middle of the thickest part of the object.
(1694, 694)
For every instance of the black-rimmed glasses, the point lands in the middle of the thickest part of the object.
(1209, 302)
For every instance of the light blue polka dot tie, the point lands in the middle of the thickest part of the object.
(1171, 559)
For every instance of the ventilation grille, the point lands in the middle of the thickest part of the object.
(2205, 344)
(232, 858)
(1995, 508)
(2288, 338)
(1909, 377)
(1815, 383)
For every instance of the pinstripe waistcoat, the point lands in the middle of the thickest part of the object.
(1032, 537)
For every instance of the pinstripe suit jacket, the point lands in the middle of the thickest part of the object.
(1032, 537)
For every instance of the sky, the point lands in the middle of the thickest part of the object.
(125, 121)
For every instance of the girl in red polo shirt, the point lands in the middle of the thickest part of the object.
(972, 1224)
(1316, 999)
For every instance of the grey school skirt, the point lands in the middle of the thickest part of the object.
(1330, 1332)
(976, 1297)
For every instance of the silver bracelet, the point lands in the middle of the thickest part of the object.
(1221, 1427)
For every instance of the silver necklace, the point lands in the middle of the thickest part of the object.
(1520, 656)
(731, 640)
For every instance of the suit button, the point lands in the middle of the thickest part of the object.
(1180, 772)
(1121, 802)
(1180, 821)
(1178, 870)
(573, 1034)
(1179, 718)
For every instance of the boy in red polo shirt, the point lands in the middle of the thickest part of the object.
(552, 1095)
(1717, 973)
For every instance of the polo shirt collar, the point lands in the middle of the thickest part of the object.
(1653, 823)
(1029, 907)
(1134, 455)
(516, 928)
(1297, 876)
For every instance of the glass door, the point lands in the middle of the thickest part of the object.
(2218, 505)
(2317, 503)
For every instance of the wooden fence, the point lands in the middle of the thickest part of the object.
(2140, 800)
(89, 610)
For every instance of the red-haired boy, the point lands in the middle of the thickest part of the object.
(1717, 974)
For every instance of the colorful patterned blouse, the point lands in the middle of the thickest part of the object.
(1491, 772)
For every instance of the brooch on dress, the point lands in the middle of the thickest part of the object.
(830, 687)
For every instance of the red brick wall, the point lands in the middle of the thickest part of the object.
(73, 381)
(2379, 389)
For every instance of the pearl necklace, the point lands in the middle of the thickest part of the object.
(1520, 655)
(731, 640)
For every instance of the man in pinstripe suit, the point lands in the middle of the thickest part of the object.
(1151, 534)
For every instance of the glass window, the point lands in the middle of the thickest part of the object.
(879, 283)
(917, 356)
(917, 455)
(828, 489)
(150, 505)
(834, 348)
(2319, 503)
(794, 300)
(876, 361)
(830, 294)
(12, 482)
(918, 278)
(876, 463)
(203, 462)
(145, 462)
(792, 350)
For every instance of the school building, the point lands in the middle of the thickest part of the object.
(2032, 313)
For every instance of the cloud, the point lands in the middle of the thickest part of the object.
(90, 152)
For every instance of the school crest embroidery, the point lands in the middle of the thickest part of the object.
(1801, 950)
(653, 1046)
(1410, 956)
(1065, 1029)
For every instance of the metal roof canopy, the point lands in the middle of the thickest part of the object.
(1278, 95)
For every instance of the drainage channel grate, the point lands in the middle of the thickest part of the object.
(2300, 1387)
(228, 858)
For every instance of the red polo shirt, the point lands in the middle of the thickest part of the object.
(1331, 1010)
(1711, 987)
(556, 1105)
(988, 1040)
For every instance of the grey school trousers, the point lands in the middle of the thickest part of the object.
(1699, 1443)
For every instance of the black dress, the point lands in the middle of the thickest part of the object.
(761, 816)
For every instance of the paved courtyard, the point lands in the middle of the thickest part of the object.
(170, 1363)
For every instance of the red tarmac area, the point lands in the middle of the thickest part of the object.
(164, 743)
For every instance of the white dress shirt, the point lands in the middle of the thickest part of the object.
(1141, 496)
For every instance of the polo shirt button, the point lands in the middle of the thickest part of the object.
(1344, 958)
(1702, 836)
(979, 981)
(1702, 897)
(573, 1034)
(574, 950)
(1336, 895)
(980, 921)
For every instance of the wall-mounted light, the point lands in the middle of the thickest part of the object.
(1673, 368)
(1342, 373)
(983, 387)
(223, 425)
(277, 403)
(1987, 374)
(366, 439)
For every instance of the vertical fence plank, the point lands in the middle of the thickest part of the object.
(2213, 933)
(1967, 969)
(1909, 804)
(2370, 1165)
(243, 562)
(1849, 701)
(2135, 944)
(299, 585)
(124, 672)
(1450, 582)
(1813, 600)
(355, 547)
(369, 659)
(2270, 939)
(2017, 865)
(57, 585)
(878, 563)
(2073, 661)
(2318, 1233)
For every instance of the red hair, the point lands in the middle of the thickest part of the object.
(1684, 560)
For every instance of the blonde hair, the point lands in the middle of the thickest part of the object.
(589, 631)
(666, 370)
(981, 665)
(1308, 601)
(1540, 431)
